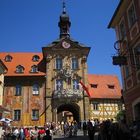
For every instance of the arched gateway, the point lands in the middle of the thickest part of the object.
(68, 112)
(66, 67)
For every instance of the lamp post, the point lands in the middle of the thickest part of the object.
(119, 59)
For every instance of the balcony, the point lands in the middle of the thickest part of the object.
(67, 94)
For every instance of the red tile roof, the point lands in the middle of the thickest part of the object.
(23, 59)
(102, 90)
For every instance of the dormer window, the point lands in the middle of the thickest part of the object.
(111, 86)
(19, 69)
(8, 58)
(34, 69)
(93, 85)
(35, 58)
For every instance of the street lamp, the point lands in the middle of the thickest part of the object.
(119, 59)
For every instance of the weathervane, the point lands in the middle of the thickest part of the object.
(64, 6)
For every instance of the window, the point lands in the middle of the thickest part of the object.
(35, 58)
(17, 115)
(95, 106)
(119, 107)
(18, 90)
(35, 89)
(111, 86)
(58, 63)
(137, 56)
(122, 30)
(19, 69)
(75, 84)
(127, 71)
(59, 84)
(131, 15)
(93, 85)
(74, 63)
(35, 114)
(34, 69)
(8, 58)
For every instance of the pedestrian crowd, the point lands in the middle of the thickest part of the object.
(68, 129)
(109, 130)
(29, 133)
(95, 130)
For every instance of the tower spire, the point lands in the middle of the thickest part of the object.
(64, 23)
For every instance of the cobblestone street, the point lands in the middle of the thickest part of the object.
(72, 138)
(78, 137)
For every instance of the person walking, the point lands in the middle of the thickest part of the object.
(91, 130)
(47, 136)
(84, 128)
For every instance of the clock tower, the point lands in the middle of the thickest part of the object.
(66, 67)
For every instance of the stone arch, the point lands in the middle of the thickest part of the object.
(71, 107)
(136, 109)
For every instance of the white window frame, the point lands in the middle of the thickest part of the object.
(35, 114)
(17, 115)
(75, 84)
(75, 63)
(58, 84)
(35, 90)
(58, 64)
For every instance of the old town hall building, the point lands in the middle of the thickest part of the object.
(55, 85)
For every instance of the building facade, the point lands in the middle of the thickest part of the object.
(105, 97)
(3, 70)
(126, 22)
(44, 87)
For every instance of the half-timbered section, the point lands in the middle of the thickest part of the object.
(105, 97)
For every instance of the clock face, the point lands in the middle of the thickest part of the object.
(65, 44)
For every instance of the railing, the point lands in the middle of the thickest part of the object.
(67, 94)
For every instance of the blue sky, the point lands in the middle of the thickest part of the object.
(28, 25)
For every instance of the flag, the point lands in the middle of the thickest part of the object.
(84, 88)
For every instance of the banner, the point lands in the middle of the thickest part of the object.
(84, 88)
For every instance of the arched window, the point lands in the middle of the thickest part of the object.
(35, 58)
(34, 69)
(74, 63)
(58, 63)
(8, 58)
(19, 69)
(75, 84)
(35, 89)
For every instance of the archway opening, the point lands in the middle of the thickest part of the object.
(68, 112)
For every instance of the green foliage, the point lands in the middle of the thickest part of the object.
(120, 115)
